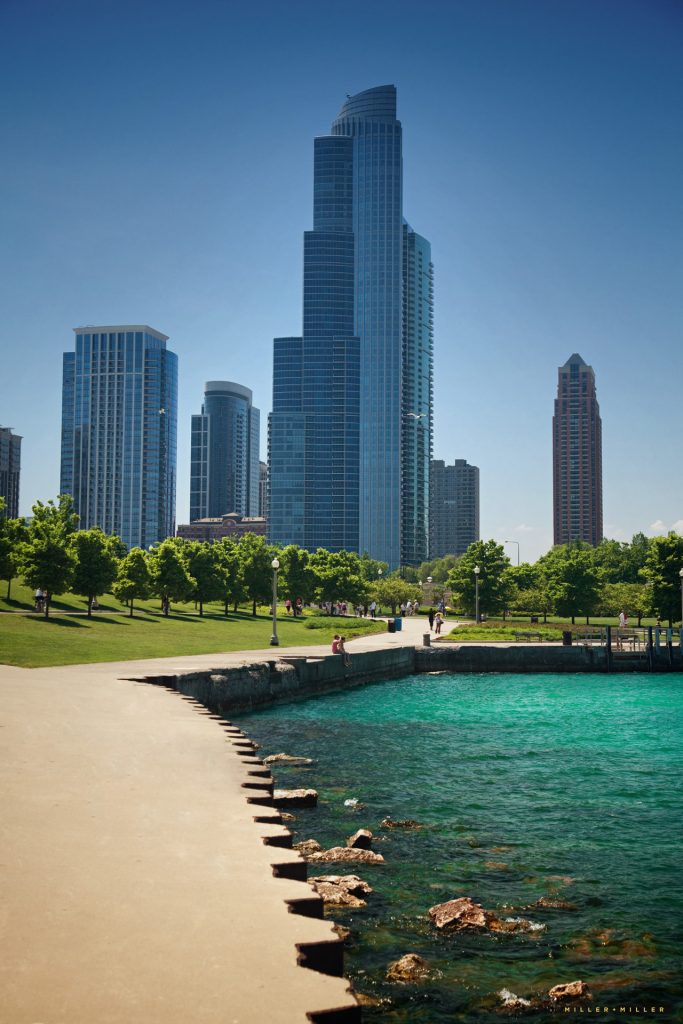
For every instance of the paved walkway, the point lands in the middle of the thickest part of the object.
(135, 883)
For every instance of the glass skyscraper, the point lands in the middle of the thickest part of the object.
(339, 408)
(119, 422)
(454, 513)
(224, 463)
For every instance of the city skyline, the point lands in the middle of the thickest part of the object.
(544, 132)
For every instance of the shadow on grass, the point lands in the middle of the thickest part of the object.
(72, 621)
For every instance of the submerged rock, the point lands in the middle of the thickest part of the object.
(341, 890)
(496, 865)
(343, 853)
(410, 968)
(514, 924)
(287, 817)
(407, 823)
(341, 931)
(360, 840)
(307, 847)
(287, 759)
(569, 990)
(295, 797)
(550, 903)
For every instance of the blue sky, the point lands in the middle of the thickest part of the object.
(158, 169)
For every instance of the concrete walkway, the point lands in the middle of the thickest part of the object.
(136, 885)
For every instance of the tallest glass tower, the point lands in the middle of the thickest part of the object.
(339, 394)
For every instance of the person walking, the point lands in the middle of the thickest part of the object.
(373, 609)
(438, 622)
(430, 616)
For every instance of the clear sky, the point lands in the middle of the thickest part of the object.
(157, 169)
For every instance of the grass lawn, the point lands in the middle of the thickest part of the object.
(32, 641)
(494, 631)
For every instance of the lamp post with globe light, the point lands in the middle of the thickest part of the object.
(477, 570)
(275, 565)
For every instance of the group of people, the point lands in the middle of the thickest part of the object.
(339, 648)
(294, 607)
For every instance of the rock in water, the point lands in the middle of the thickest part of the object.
(408, 823)
(410, 968)
(341, 890)
(287, 759)
(295, 797)
(570, 990)
(460, 914)
(343, 853)
(513, 1002)
(307, 847)
(360, 840)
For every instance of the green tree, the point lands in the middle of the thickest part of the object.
(438, 568)
(371, 569)
(133, 581)
(610, 558)
(12, 536)
(391, 591)
(662, 570)
(296, 577)
(637, 553)
(338, 576)
(572, 579)
(95, 564)
(231, 589)
(634, 598)
(47, 561)
(256, 557)
(495, 584)
(170, 579)
(534, 600)
(201, 562)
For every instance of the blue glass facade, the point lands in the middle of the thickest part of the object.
(224, 458)
(119, 423)
(341, 383)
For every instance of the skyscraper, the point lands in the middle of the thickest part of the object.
(224, 458)
(263, 489)
(417, 387)
(119, 421)
(454, 512)
(340, 396)
(577, 455)
(10, 470)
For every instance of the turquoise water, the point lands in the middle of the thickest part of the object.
(528, 786)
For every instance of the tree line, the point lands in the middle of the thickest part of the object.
(642, 578)
(571, 580)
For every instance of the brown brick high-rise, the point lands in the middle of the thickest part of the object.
(577, 456)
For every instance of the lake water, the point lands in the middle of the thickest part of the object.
(561, 786)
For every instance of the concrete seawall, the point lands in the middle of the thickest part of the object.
(230, 690)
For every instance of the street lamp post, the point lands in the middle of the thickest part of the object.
(477, 570)
(275, 565)
(513, 542)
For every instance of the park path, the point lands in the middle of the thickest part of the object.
(135, 883)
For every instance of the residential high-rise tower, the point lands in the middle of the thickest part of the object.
(343, 392)
(10, 470)
(119, 421)
(224, 461)
(577, 456)
(454, 511)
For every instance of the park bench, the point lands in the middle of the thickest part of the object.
(527, 635)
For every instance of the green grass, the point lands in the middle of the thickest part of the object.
(494, 632)
(31, 641)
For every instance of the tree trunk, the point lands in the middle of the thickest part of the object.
(587, 620)
(253, 609)
(201, 608)
(225, 608)
(9, 587)
(573, 620)
(234, 607)
(90, 600)
(130, 608)
(46, 603)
